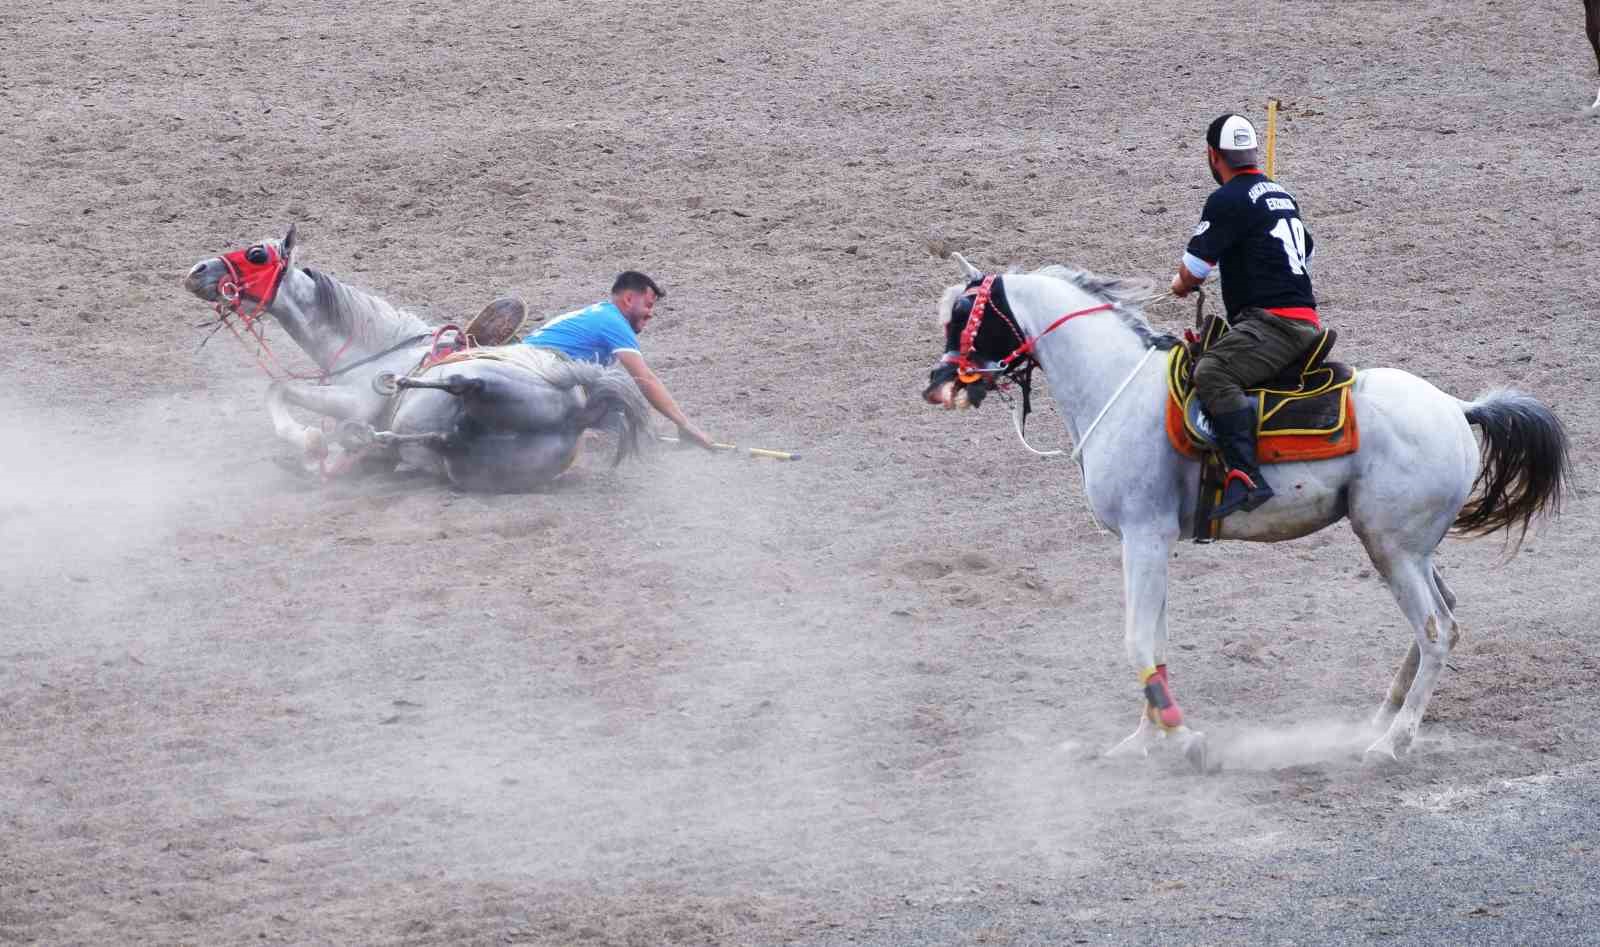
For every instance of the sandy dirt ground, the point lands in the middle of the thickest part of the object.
(706, 699)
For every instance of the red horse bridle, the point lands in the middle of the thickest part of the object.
(255, 273)
(967, 371)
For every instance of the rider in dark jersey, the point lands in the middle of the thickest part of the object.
(1251, 232)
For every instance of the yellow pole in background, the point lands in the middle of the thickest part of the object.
(1272, 137)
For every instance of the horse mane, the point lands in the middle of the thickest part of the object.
(947, 302)
(362, 315)
(1125, 294)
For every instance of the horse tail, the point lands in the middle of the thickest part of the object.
(611, 389)
(1525, 464)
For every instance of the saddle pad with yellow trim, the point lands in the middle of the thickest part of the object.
(1315, 421)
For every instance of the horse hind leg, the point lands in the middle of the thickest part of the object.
(1407, 672)
(512, 402)
(1425, 601)
(458, 385)
(359, 435)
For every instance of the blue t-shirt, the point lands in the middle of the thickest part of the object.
(595, 333)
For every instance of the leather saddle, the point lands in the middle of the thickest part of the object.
(500, 323)
(1303, 414)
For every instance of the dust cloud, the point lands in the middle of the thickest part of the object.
(88, 504)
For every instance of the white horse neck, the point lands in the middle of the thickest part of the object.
(331, 321)
(1087, 359)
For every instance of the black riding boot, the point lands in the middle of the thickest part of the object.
(1245, 488)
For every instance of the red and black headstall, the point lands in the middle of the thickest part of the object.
(986, 340)
(980, 298)
(253, 274)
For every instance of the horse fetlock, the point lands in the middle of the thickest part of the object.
(355, 435)
(1381, 751)
(1394, 743)
(1455, 633)
(1160, 706)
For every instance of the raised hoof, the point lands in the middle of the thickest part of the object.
(354, 435)
(385, 383)
(500, 323)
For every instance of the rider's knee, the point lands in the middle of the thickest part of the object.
(1217, 388)
(1210, 375)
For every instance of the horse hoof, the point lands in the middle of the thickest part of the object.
(1197, 750)
(1380, 752)
(1137, 743)
(354, 435)
(385, 383)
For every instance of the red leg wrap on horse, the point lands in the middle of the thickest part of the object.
(1163, 707)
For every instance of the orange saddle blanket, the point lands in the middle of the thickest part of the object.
(1306, 415)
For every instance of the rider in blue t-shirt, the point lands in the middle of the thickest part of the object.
(609, 331)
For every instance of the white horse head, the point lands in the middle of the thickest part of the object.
(969, 369)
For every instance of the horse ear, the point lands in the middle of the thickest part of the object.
(968, 269)
(288, 245)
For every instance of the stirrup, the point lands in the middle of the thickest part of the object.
(1241, 492)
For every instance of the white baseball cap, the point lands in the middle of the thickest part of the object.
(1231, 133)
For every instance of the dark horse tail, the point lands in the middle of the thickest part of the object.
(1525, 464)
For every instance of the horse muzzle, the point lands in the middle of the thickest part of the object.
(949, 389)
(200, 282)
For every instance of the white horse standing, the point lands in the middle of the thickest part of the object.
(1403, 490)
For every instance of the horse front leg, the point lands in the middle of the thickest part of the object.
(1144, 576)
(330, 402)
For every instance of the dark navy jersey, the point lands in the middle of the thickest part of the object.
(1251, 230)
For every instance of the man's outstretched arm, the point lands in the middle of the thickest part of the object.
(660, 398)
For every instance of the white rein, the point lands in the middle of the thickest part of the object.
(1077, 452)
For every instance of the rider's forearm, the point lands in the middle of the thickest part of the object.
(661, 399)
(1188, 277)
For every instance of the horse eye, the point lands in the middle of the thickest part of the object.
(257, 255)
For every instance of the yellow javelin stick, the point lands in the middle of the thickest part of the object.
(1272, 137)
(752, 451)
